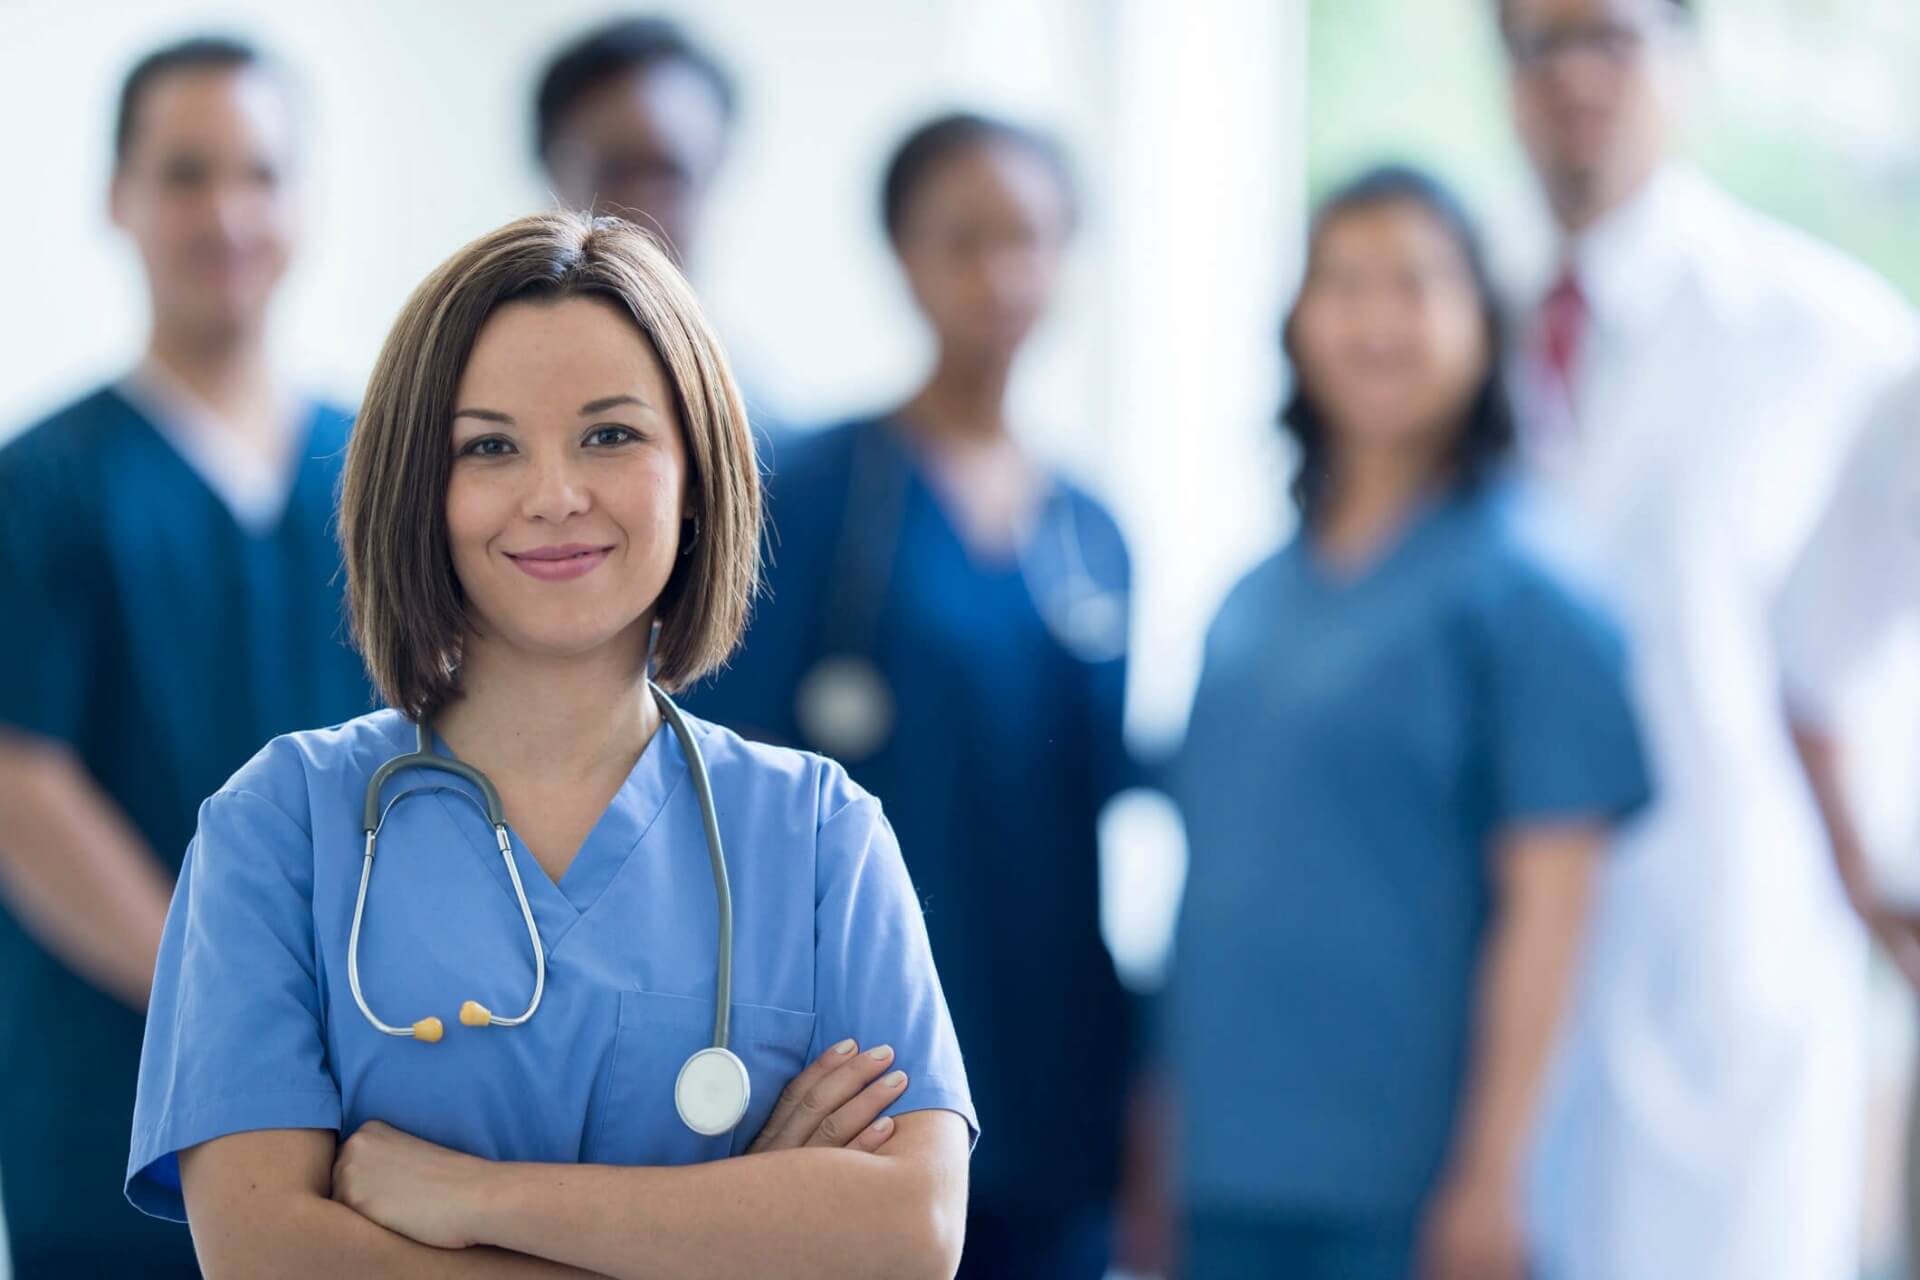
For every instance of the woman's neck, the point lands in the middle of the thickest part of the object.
(550, 719)
(963, 402)
(1371, 490)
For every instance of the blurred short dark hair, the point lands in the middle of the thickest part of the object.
(195, 53)
(617, 49)
(1484, 433)
(1685, 8)
(940, 139)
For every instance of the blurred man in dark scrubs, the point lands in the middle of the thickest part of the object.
(168, 584)
(634, 119)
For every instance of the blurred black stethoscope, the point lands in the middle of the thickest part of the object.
(844, 704)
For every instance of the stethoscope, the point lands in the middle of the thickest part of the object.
(843, 703)
(712, 1089)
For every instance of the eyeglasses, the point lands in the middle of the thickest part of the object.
(1616, 42)
(589, 168)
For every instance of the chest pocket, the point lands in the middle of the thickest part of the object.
(634, 1121)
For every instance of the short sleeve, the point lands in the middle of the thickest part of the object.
(1564, 743)
(1861, 568)
(874, 978)
(47, 633)
(234, 1040)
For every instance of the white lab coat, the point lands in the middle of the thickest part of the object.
(1849, 624)
(1706, 1119)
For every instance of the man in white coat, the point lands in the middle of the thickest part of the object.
(1691, 375)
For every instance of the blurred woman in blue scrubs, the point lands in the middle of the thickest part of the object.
(1406, 750)
(550, 489)
(948, 619)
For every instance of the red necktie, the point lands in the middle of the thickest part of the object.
(1563, 326)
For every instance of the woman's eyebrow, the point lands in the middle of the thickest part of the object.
(592, 406)
(485, 415)
(607, 402)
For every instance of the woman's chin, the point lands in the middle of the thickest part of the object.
(552, 640)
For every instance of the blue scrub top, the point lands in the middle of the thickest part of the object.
(162, 643)
(1005, 747)
(253, 1025)
(1357, 745)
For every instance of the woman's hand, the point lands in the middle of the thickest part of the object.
(836, 1102)
(409, 1185)
(1473, 1232)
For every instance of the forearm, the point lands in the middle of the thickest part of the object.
(294, 1237)
(1526, 977)
(800, 1213)
(75, 872)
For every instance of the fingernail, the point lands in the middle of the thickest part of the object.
(883, 1124)
(844, 1047)
(881, 1054)
(894, 1079)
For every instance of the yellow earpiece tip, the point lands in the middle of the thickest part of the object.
(428, 1029)
(474, 1014)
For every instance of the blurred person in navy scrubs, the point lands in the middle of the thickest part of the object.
(948, 618)
(1407, 748)
(169, 588)
(1691, 374)
(634, 118)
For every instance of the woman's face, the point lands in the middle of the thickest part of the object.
(568, 479)
(982, 242)
(1389, 337)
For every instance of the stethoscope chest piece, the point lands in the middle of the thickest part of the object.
(845, 707)
(712, 1091)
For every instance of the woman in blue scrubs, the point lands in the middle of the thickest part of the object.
(551, 488)
(1406, 752)
(948, 619)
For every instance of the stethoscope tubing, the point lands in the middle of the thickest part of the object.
(375, 816)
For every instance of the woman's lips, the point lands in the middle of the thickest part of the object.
(559, 564)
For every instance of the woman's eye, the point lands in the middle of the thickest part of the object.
(486, 447)
(605, 436)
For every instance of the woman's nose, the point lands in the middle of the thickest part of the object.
(555, 491)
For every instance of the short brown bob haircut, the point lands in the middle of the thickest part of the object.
(408, 611)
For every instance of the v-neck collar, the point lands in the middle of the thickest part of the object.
(254, 492)
(1414, 530)
(927, 489)
(616, 834)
